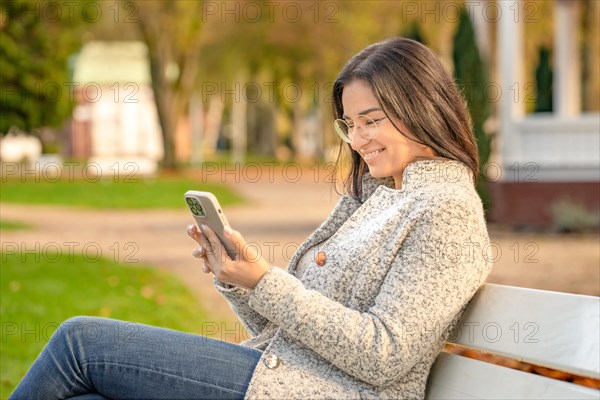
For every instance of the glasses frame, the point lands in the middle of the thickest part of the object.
(347, 137)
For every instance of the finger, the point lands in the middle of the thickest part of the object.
(205, 266)
(249, 253)
(191, 230)
(194, 233)
(198, 252)
(214, 249)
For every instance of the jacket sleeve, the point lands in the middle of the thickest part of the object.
(425, 289)
(237, 297)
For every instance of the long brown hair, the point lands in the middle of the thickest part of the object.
(411, 84)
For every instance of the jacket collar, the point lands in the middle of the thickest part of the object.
(421, 173)
(416, 174)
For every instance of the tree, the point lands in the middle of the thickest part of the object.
(275, 55)
(414, 32)
(172, 33)
(36, 40)
(543, 82)
(470, 73)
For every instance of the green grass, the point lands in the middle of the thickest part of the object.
(163, 192)
(37, 295)
(12, 225)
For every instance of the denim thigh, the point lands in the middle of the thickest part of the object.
(125, 360)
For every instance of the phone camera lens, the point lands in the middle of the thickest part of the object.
(190, 201)
(200, 210)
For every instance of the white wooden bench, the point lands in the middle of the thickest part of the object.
(555, 330)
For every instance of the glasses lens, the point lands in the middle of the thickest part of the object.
(341, 128)
(365, 123)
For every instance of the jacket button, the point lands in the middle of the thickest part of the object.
(320, 258)
(272, 361)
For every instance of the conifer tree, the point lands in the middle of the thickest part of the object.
(414, 32)
(470, 73)
(543, 82)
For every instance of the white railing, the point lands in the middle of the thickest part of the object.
(559, 149)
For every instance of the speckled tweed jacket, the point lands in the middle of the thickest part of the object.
(401, 266)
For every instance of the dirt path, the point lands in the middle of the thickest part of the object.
(281, 213)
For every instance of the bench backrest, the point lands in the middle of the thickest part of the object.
(554, 330)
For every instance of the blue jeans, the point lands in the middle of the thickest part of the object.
(97, 358)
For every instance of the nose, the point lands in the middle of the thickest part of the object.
(358, 140)
(359, 130)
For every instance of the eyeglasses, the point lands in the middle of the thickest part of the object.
(363, 124)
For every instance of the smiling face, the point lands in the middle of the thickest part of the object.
(388, 151)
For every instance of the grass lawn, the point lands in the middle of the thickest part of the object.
(12, 226)
(163, 192)
(37, 295)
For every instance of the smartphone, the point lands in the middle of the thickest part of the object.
(206, 211)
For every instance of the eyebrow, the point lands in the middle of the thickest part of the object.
(365, 112)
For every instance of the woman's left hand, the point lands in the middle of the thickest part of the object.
(246, 270)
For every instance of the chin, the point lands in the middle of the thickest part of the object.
(377, 173)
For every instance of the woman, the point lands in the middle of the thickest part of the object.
(366, 302)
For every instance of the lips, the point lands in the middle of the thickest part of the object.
(371, 154)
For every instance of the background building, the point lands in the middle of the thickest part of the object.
(115, 115)
(545, 166)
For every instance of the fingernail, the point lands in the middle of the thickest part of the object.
(190, 230)
(228, 231)
(197, 252)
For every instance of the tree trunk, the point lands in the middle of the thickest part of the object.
(163, 97)
(172, 46)
(196, 115)
(213, 125)
(239, 130)
(299, 133)
(239, 124)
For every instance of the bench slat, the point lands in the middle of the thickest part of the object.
(456, 377)
(550, 329)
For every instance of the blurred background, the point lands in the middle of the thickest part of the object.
(111, 110)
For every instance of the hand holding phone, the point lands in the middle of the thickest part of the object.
(245, 268)
(206, 210)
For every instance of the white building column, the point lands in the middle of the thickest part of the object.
(567, 86)
(478, 12)
(510, 58)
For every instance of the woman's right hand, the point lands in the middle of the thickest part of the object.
(246, 270)
(199, 252)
